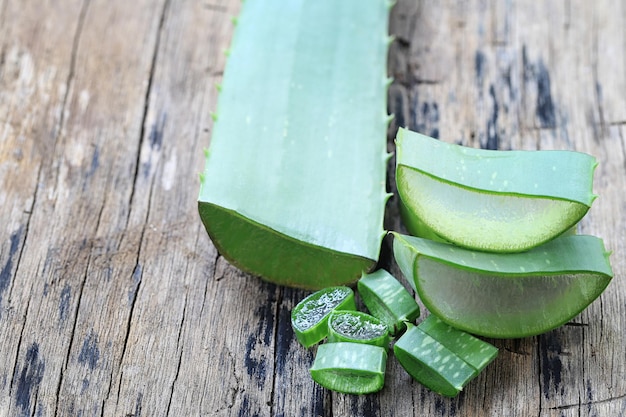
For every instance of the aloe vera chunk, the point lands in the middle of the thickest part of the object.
(309, 318)
(475, 352)
(430, 363)
(294, 184)
(351, 368)
(386, 298)
(497, 201)
(357, 327)
(506, 295)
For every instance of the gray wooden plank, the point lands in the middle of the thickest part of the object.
(113, 301)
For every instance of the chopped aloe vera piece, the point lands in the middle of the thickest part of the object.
(357, 327)
(309, 318)
(475, 352)
(497, 201)
(386, 298)
(506, 295)
(351, 368)
(430, 363)
(294, 184)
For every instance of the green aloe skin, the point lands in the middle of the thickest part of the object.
(496, 201)
(441, 357)
(506, 295)
(475, 352)
(294, 184)
(386, 298)
(432, 364)
(351, 368)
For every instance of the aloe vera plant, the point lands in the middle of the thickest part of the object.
(294, 184)
(497, 201)
(506, 295)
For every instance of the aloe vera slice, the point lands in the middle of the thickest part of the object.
(475, 352)
(309, 318)
(357, 327)
(351, 368)
(497, 201)
(430, 363)
(386, 298)
(506, 295)
(294, 184)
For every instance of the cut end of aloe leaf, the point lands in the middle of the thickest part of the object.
(506, 295)
(497, 201)
(350, 368)
(276, 257)
(357, 327)
(309, 318)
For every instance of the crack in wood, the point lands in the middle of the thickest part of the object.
(588, 403)
(180, 348)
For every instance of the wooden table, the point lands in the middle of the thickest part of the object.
(113, 302)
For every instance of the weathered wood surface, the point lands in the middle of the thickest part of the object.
(113, 302)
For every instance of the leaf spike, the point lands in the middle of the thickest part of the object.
(206, 152)
(391, 3)
(389, 118)
(227, 52)
(388, 81)
(234, 20)
(390, 39)
(214, 116)
(218, 87)
(201, 175)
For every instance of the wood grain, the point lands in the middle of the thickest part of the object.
(114, 302)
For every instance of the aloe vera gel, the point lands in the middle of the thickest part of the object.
(506, 295)
(496, 201)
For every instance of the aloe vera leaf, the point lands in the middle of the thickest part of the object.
(386, 298)
(357, 327)
(294, 184)
(309, 318)
(506, 295)
(351, 368)
(500, 201)
(430, 363)
(477, 353)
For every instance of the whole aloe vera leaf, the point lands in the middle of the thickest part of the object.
(432, 364)
(506, 295)
(294, 184)
(497, 201)
(386, 298)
